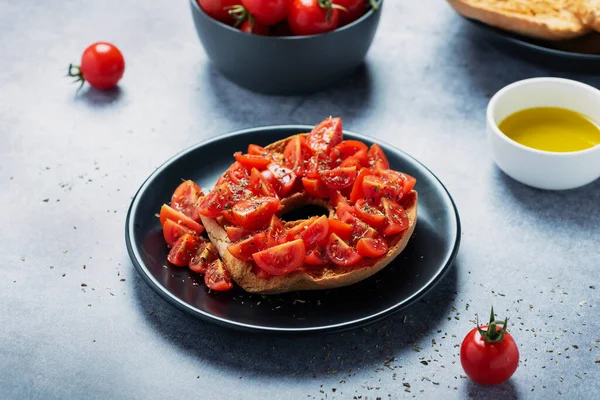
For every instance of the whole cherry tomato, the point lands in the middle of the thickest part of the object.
(489, 354)
(102, 65)
(354, 10)
(311, 17)
(267, 12)
(250, 25)
(219, 9)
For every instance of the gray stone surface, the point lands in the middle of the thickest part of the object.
(71, 162)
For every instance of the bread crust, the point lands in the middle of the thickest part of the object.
(539, 19)
(321, 278)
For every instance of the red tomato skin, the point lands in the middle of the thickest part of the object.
(254, 27)
(377, 158)
(340, 253)
(315, 188)
(102, 65)
(183, 250)
(185, 197)
(355, 10)
(169, 213)
(339, 178)
(172, 231)
(217, 277)
(489, 363)
(288, 257)
(267, 12)
(306, 17)
(216, 9)
(326, 135)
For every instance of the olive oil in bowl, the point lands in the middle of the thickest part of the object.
(551, 129)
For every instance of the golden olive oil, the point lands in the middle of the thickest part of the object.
(551, 129)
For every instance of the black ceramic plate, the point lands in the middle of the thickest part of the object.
(536, 52)
(428, 256)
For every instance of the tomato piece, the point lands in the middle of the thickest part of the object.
(315, 187)
(183, 250)
(340, 203)
(217, 9)
(102, 66)
(340, 253)
(285, 178)
(206, 253)
(316, 256)
(257, 150)
(243, 250)
(346, 149)
(409, 184)
(405, 181)
(216, 201)
(185, 197)
(276, 232)
(238, 174)
(372, 247)
(294, 232)
(362, 157)
(254, 213)
(281, 259)
(326, 135)
(308, 17)
(351, 162)
(377, 158)
(369, 213)
(259, 185)
(360, 229)
(252, 161)
(376, 187)
(342, 229)
(315, 233)
(295, 155)
(397, 219)
(315, 164)
(169, 213)
(173, 231)
(354, 10)
(267, 12)
(339, 178)
(217, 277)
(357, 188)
(254, 27)
(237, 233)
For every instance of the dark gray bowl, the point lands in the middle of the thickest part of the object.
(286, 65)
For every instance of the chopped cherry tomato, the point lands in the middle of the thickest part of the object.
(351, 162)
(340, 203)
(173, 231)
(346, 149)
(360, 228)
(489, 354)
(206, 254)
(377, 158)
(397, 220)
(372, 247)
(295, 231)
(267, 12)
(254, 213)
(257, 150)
(102, 65)
(285, 178)
(252, 161)
(315, 187)
(316, 164)
(316, 233)
(243, 250)
(363, 157)
(316, 256)
(376, 187)
(366, 211)
(259, 185)
(169, 213)
(185, 197)
(237, 233)
(269, 177)
(281, 259)
(342, 229)
(183, 250)
(254, 27)
(215, 202)
(339, 178)
(354, 10)
(217, 277)
(218, 9)
(406, 181)
(327, 134)
(276, 233)
(238, 174)
(260, 274)
(340, 253)
(357, 188)
(296, 154)
(312, 17)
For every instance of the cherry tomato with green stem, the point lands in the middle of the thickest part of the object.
(267, 12)
(312, 17)
(102, 66)
(219, 9)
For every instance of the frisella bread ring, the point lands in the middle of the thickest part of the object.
(371, 213)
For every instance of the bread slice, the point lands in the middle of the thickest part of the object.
(540, 19)
(314, 279)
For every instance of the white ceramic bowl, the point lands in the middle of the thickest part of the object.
(537, 168)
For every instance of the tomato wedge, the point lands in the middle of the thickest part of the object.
(298, 229)
(185, 197)
(340, 203)
(173, 231)
(369, 213)
(372, 247)
(340, 253)
(285, 178)
(238, 174)
(315, 187)
(342, 229)
(259, 185)
(256, 150)
(252, 161)
(346, 149)
(325, 136)
(376, 187)
(316, 257)
(377, 158)
(254, 213)
(339, 178)
(316, 164)
(237, 233)
(351, 162)
(217, 277)
(281, 259)
(360, 229)
(295, 155)
(316, 233)
(363, 157)
(215, 202)
(397, 219)
(183, 250)
(206, 253)
(405, 181)
(243, 250)
(169, 213)
(276, 233)
(357, 187)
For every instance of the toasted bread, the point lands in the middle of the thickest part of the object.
(540, 19)
(322, 278)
